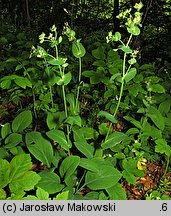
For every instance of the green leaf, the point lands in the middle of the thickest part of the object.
(12, 140)
(68, 166)
(72, 107)
(2, 194)
(4, 173)
(99, 63)
(102, 175)
(26, 182)
(99, 53)
(132, 61)
(103, 128)
(155, 115)
(162, 147)
(130, 75)
(20, 177)
(85, 148)
(133, 121)
(12, 59)
(93, 195)
(64, 80)
(42, 194)
(108, 116)
(40, 147)
(157, 88)
(19, 165)
(130, 171)
(59, 136)
(133, 29)
(54, 120)
(50, 182)
(90, 164)
(125, 49)
(89, 133)
(106, 177)
(116, 37)
(116, 192)
(54, 61)
(74, 120)
(30, 197)
(5, 84)
(5, 130)
(113, 140)
(164, 107)
(67, 78)
(23, 82)
(22, 121)
(62, 196)
(129, 177)
(78, 49)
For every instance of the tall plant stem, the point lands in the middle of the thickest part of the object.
(50, 87)
(121, 88)
(167, 166)
(63, 91)
(33, 95)
(79, 80)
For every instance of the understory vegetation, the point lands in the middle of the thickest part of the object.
(86, 115)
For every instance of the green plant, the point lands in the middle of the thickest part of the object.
(87, 156)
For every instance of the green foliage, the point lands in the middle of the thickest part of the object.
(72, 130)
(17, 174)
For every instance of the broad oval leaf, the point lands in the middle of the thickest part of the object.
(59, 136)
(113, 140)
(67, 78)
(40, 147)
(23, 82)
(50, 182)
(69, 165)
(85, 148)
(22, 121)
(130, 75)
(12, 140)
(105, 178)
